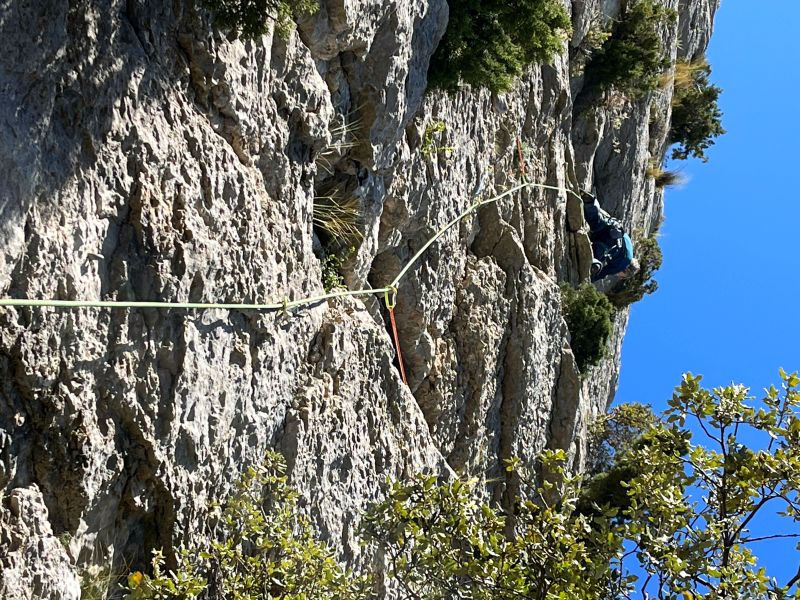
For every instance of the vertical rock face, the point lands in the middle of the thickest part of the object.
(148, 156)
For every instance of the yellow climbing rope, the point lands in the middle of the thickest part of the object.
(286, 304)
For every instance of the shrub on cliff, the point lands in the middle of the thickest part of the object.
(441, 543)
(253, 18)
(489, 42)
(614, 433)
(636, 287)
(588, 314)
(670, 518)
(696, 117)
(265, 549)
(633, 56)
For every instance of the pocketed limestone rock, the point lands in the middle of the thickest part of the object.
(149, 156)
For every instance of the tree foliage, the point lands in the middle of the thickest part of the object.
(632, 57)
(266, 549)
(253, 18)
(691, 510)
(672, 518)
(627, 291)
(441, 543)
(696, 116)
(614, 433)
(489, 42)
(589, 315)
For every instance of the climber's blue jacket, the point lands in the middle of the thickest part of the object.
(616, 258)
(610, 244)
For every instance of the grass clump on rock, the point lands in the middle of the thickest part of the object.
(589, 315)
(664, 178)
(489, 42)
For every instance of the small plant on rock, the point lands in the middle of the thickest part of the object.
(682, 74)
(595, 39)
(331, 263)
(253, 18)
(345, 135)
(589, 315)
(431, 143)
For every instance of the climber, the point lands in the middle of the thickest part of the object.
(611, 246)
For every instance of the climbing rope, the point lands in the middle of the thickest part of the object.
(389, 292)
(285, 304)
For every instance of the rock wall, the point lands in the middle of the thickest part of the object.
(149, 156)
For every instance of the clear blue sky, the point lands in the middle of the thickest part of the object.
(728, 304)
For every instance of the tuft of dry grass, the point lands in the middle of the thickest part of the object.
(665, 178)
(100, 574)
(345, 135)
(682, 75)
(339, 217)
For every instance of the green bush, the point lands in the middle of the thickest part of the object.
(670, 518)
(633, 289)
(252, 18)
(332, 264)
(588, 314)
(440, 543)
(432, 141)
(614, 433)
(696, 117)
(633, 57)
(266, 549)
(489, 42)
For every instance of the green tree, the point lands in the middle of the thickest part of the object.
(678, 511)
(253, 18)
(614, 433)
(489, 42)
(266, 549)
(441, 543)
(696, 116)
(632, 57)
(589, 315)
(692, 509)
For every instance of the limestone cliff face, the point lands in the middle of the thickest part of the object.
(147, 156)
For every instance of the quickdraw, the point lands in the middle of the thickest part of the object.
(390, 304)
